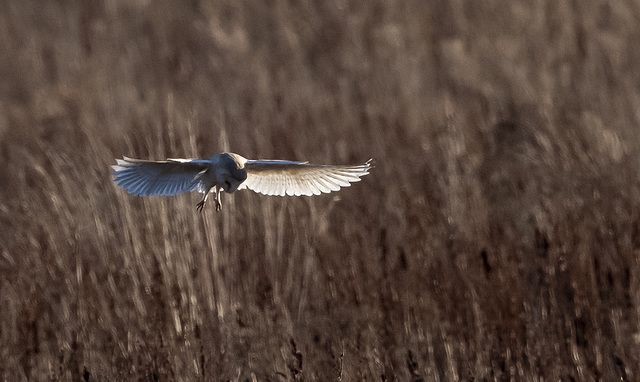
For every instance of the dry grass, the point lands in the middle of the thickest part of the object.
(496, 239)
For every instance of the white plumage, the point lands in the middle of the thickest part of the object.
(230, 172)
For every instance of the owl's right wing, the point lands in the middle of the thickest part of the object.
(275, 177)
(170, 177)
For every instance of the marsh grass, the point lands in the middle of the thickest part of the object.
(496, 238)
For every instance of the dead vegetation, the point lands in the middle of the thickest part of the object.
(496, 239)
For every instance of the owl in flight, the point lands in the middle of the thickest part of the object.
(230, 172)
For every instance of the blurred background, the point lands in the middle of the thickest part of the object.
(497, 237)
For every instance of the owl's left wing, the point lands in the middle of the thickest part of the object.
(275, 177)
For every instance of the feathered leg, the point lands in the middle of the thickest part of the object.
(218, 199)
(201, 203)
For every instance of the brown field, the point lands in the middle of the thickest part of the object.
(497, 239)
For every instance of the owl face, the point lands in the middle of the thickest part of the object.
(230, 174)
(230, 183)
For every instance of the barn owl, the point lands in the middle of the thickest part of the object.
(230, 172)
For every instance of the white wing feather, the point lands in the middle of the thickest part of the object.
(273, 177)
(170, 177)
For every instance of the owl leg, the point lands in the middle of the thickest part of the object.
(201, 203)
(218, 200)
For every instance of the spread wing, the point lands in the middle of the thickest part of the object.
(273, 177)
(170, 177)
